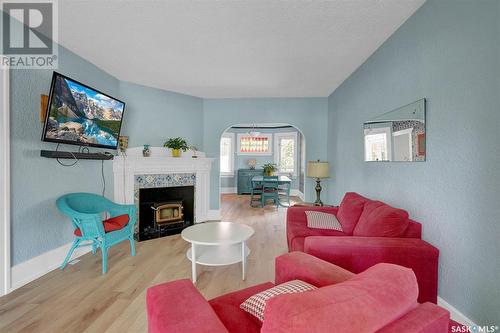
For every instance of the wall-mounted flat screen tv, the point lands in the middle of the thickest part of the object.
(80, 115)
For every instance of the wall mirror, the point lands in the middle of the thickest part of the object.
(396, 136)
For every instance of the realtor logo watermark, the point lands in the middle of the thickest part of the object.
(29, 34)
(475, 329)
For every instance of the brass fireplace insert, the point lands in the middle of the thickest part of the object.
(168, 212)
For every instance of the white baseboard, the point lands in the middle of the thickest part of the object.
(214, 215)
(33, 268)
(297, 193)
(456, 315)
(226, 190)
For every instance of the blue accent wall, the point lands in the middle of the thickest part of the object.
(448, 52)
(37, 182)
(154, 115)
(309, 115)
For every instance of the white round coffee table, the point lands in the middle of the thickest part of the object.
(217, 244)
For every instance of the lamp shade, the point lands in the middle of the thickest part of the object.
(318, 169)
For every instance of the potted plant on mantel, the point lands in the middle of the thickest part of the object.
(269, 169)
(176, 145)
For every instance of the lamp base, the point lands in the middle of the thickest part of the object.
(318, 201)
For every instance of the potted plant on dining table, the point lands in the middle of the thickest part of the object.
(269, 169)
(176, 145)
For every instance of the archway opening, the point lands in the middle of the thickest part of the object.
(246, 148)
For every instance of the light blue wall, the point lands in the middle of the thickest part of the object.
(309, 115)
(448, 52)
(241, 161)
(37, 182)
(153, 115)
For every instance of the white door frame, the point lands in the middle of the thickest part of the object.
(4, 184)
(408, 132)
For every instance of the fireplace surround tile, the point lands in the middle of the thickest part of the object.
(162, 180)
(133, 171)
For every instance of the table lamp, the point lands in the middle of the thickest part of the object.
(318, 169)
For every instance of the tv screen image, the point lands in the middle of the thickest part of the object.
(78, 114)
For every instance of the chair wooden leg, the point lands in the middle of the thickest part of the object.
(76, 242)
(132, 245)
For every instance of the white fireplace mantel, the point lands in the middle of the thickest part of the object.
(126, 167)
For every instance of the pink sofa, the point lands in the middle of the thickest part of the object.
(373, 232)
(382, 299)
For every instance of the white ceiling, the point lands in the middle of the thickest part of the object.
(226, 48)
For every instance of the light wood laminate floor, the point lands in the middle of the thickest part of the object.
(80, 299)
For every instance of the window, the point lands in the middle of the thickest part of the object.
(286, 152)
(378, 144)
(255, 145)
(227, 154)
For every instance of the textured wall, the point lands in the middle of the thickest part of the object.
(309, 115)
(37, 182)
(153, 115)
(240, 161)
(448, 52)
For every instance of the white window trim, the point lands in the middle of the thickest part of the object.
(277, 137)
(409, 132)
(269, 136)
(378, 130)
(5, 270)
(231, 160)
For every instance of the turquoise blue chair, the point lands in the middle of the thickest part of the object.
(284, 193)
(256, 190)
(270, 190)
(85, 211)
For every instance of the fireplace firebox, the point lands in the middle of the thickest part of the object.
(164, 211)
(168, 212)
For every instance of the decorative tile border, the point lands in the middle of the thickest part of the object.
(163, 180)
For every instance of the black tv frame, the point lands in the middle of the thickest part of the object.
(54, 75)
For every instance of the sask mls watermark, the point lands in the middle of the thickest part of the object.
(29, 34)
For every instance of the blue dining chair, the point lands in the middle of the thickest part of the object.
(284, 192)
(255, 192)
(85, 211)
(270, 190)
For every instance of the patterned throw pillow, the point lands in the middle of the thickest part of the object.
(320, 220)
(256, 304)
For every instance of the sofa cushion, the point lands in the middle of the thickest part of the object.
(426, 317)
(297, 231)
(381, 220)
(178, 307)
(227, 308)
(111, 224)
(366, 303)
(350, 210)
(320, 220)
(256, 304)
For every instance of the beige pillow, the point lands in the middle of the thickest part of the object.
(320, 220)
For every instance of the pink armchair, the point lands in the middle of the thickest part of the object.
(383, 299)
(373, 233)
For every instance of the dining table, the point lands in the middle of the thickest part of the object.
(282, 180)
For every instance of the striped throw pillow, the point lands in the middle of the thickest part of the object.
(256, 304)
(320, 220)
